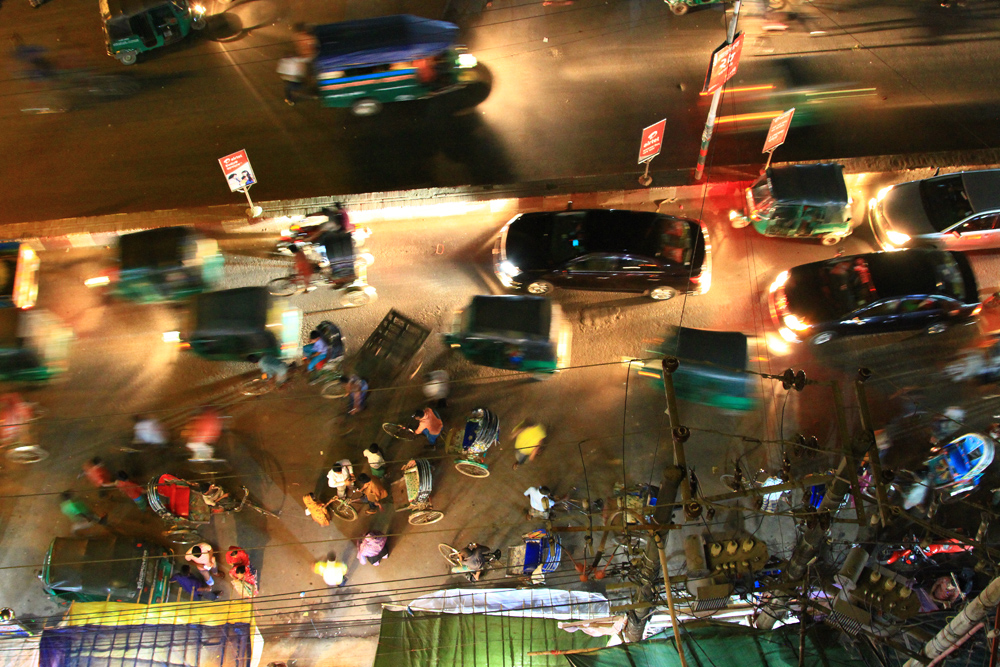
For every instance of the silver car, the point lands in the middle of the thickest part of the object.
(951, 212)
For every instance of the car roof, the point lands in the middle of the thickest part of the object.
(983, 189)
(613, 230)
(813, 184)
(380, 40)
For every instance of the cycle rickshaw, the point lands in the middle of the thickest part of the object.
(183, 507)
(481, 431)
(416, 486)
(539, 554)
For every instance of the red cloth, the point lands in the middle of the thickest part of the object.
(176, 493)
(236, 556)
(206, 427)
(98, 474)
(129, 488)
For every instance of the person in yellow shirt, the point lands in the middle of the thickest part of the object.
(528, 438)
(332, 571)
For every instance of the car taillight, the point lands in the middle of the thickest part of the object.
(978, 309)
(781, 302)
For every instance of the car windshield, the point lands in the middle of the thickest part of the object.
(675, 242)
(945, 201)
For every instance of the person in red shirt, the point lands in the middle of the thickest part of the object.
(131, 489)
(304, 268)
(236, 556)
(97, 473)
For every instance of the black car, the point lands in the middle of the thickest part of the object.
(601, 249)
(876, 292)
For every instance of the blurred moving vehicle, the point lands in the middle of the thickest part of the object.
(874, 293)
(520, 333)
(951, 212)
(34, 345)
(132, 27)
(18, 276)
(681, 7)
(364, 64)
(604, 249)
(799, 201)
(955, 471)
(163, 264)
(119, 569)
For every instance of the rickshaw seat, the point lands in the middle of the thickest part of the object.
(532, 555)
(176, 493)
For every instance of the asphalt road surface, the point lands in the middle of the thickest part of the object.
(571, 89)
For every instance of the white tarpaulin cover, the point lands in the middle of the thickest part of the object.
(529, 602)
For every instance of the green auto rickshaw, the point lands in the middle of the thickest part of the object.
(34, 345)
(799, 201)
(119, 569)
(519, 333)
(163, 264)
(364, 64)
(712, 368)
(18, 275)
(132, 27)
(235, 324)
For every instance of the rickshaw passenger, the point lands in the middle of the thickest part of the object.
(316, 350)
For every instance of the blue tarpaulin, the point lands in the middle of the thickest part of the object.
(386, 39)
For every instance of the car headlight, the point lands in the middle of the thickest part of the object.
(794, 323)
(198, 9)
(467, 61)
(882, 193)
(508, 269)
(897, 238)
(779, 281)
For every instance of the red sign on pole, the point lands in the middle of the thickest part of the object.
(779, 130)
(725, 60)
(238, 171)
(652, 140)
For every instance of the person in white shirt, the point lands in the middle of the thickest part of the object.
(148, 431)
(436, 388)
(540, 499)
(340, 477)
(375, 460)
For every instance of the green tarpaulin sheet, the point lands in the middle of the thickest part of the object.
(721, 645)
(473, 640)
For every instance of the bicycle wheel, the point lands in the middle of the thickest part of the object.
(335, 389)
(256, 386)
(344, 510)
(399, 431)
(472, 469)
(26, 454)
(424, 517)
(285, 286)
(450, 554)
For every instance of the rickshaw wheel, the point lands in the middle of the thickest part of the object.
(678, 8)
(450, 554)
(831, 239)
(335, 389)
(27, 454)
(471, 469)
(425, 517)
(285, 286)
(366, 107)
(345, 511)
(399, 431)
(127, 57)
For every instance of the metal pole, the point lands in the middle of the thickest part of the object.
(869, 434)
(646, 180)
(253, 211)
(671, 364)
(770, 154)
(706, 135)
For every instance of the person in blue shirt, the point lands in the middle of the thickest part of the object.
(316, 350)
(194, 585)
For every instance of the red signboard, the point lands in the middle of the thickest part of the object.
(238, 171)
(779, 130)
(725, 60)
(652, 140)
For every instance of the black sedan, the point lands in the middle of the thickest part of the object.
(876, 292)
(601, 249)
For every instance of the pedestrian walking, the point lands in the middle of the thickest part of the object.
(148, 431)
(373, 492)
(436, 388)
(376, 462)
(340, 476)
(293, 72)
(372, 548)
(236, 556)
(203, 558)
(540, 500)
(318, 511)
(79, 512)
(194, 585)
(357, 394)
(334, 572)
(429, 423)
(97, 473)
(244, 581)
(133, 491)
(528, 438)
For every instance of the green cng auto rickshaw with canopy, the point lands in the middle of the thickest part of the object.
(799, 201)
(34, 345)
(18, 275)
(163, 264)
(520, 333)
(235, 324)
(118, 569)
(364, 64)
(132, 27)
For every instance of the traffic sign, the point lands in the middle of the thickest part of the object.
(652, 141)
(778, 131)
(239, 173)
(725, 60)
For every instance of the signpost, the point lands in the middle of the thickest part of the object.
(725, 60)
(649, 147)
(240, 176)
(776, 134)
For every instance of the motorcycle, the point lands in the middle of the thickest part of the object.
(298, 236)
(915, 554)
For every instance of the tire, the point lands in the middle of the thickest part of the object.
(285, 286)
(199, 23)
(334, 390)
(540, 287)
(832, 239)
(937, 328)
(366, 107)
(399, 431)
(354, 297)
(345, 511)
(450, 554)
(662, 293)
(678, 8)
(822, 338)
(471, 469)
(425, 517)
(127, 57)
(26, 454)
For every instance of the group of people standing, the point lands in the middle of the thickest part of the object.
(198, 583)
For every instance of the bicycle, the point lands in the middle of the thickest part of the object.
(344, 507)
(399, 431)
(454, 558)
(246, 502)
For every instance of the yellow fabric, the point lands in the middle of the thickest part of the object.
(529, 439)
(167, 613)
(332, 571)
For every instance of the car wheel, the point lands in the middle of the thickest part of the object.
(662, 293)
(127, 57)
(679, 8)
(832, 239)
(937, 328)
(366, 107)
(540, 287)
(823, 337)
